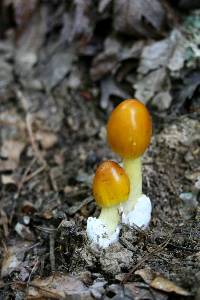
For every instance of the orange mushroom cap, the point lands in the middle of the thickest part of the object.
(129, 129)
(110, 185)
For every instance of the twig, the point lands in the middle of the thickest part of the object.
(53, 182)
(29, 120)
(32, 271)
(20, 184)
(35, 173)
(51, 249)
(45, 229)
(145, 257)
(4, 222)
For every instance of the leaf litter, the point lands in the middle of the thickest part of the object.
(61, 75)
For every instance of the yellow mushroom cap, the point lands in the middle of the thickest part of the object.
(129, 129)
(110, 185)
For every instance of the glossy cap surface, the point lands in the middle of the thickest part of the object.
(110, 185)
(129, 129)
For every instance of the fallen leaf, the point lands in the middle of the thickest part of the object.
(58, 286)
(157, 60)
(56, 68)
(169, 52)
(4, 222)
(30, 39)
(160, 282)
(47, 139)
(13, 257)
(142, 18)
(166, 285)
(110, 88)
(139, 291)
(103, 5)
(151, 84)
(162, 100)
(12, 150)
(7, 165)
(82, 22)
(8, 179)
(146, 274)
(105, 62)
(24, 232)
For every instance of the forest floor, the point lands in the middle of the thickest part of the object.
(61, 74)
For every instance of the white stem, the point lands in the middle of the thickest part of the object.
(110, 217)
(133, 168)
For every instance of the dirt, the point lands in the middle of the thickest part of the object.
(53, 136)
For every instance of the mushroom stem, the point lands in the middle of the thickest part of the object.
(133, 168)
(110, 217)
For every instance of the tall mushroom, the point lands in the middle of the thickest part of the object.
(111, 187)
(129, 132)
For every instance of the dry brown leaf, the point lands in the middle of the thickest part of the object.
(47, 139)
(140, 292)
(58, 286)
(160, 283)
(166, 285)
(30, 38)
(12, 150)
(7, 165)
(13, 257)
(8, 179)
(24, 232)
(146, 274)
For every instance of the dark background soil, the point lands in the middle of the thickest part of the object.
(64, 65)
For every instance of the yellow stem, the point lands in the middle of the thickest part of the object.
(110, 217)
(133, 168)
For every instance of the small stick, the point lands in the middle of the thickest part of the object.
(53, 182)
(51, 249)
(32, 271)
(20, 184)
(4, 222)
(33, 174)
(32, 139)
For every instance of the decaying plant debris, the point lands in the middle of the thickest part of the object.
(63, 66)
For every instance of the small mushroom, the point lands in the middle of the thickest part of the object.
(129, 133)
(111, 187)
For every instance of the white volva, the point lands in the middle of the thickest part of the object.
(140, 216)
(99, 234)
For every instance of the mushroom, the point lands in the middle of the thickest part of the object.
(111, 187)
(129, 132)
